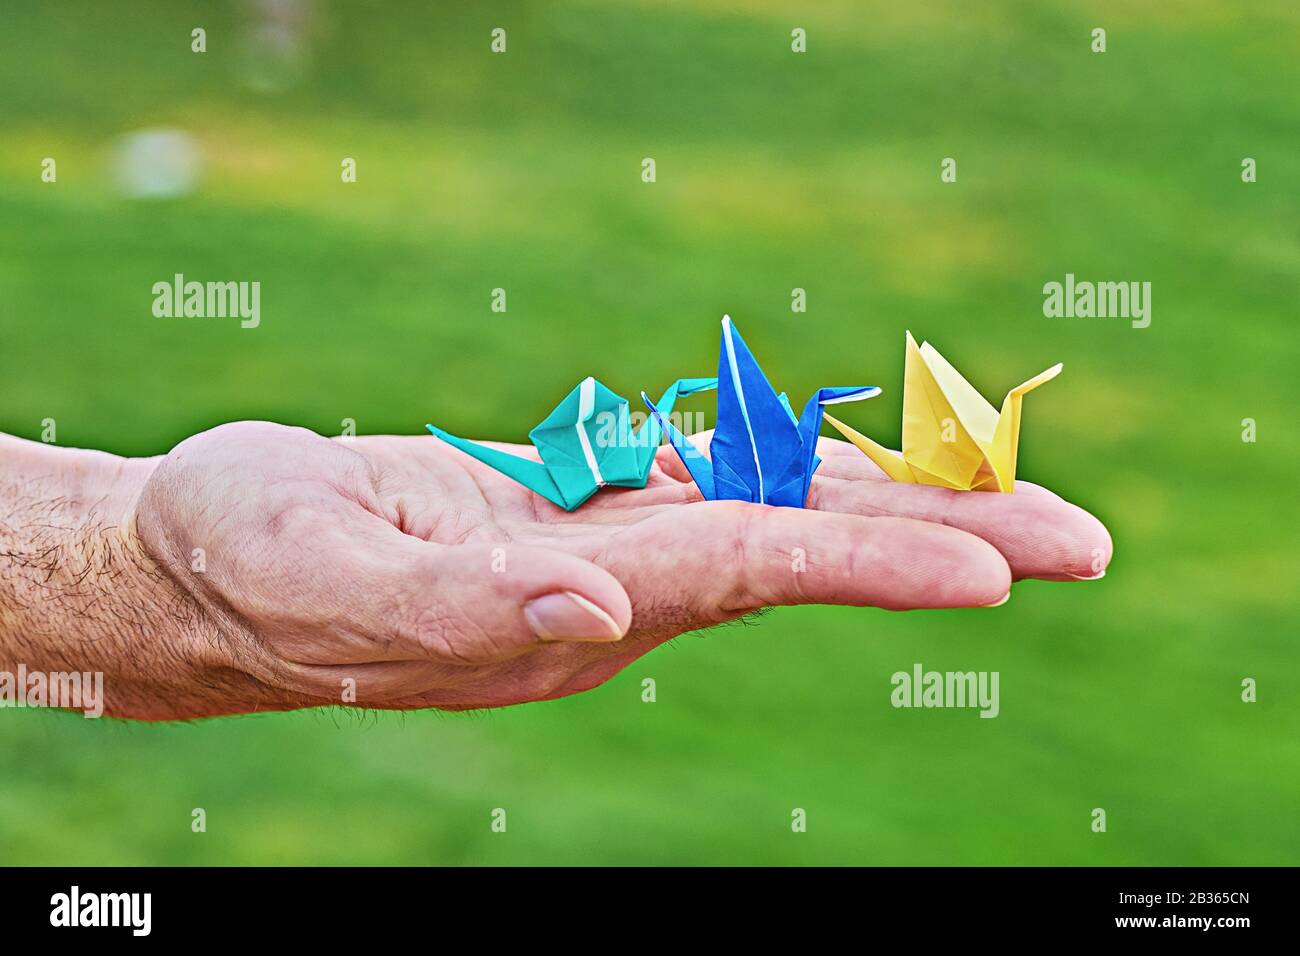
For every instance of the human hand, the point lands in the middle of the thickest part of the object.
(407, 571)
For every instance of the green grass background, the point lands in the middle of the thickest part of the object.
(775, 170)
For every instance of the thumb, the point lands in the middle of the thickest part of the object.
(476, 603)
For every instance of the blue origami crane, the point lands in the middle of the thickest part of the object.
(585, 444)
(760, 451)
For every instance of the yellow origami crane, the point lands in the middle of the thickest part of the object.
(952, 437)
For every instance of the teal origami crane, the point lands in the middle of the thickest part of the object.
(585, 444)
(760, 451)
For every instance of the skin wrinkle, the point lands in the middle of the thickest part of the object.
(170, 559)
(644, 614)
(459, 510)
(472, 532)
(743, 590)
(797, 577)
(246, 655)
(378, 476)
(437, 635)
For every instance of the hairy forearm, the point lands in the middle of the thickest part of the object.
(78, 594)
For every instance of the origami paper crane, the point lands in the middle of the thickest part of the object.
(585, 444)
(952, 437)
(760, 451)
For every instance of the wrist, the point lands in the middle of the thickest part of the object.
(78, 592)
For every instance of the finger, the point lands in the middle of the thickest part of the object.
(708, 562)
(670, 462)
(1039, 534)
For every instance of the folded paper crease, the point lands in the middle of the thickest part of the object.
(952, 436)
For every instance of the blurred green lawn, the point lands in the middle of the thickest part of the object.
(775, 170)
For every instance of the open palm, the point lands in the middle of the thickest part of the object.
(404, 569)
